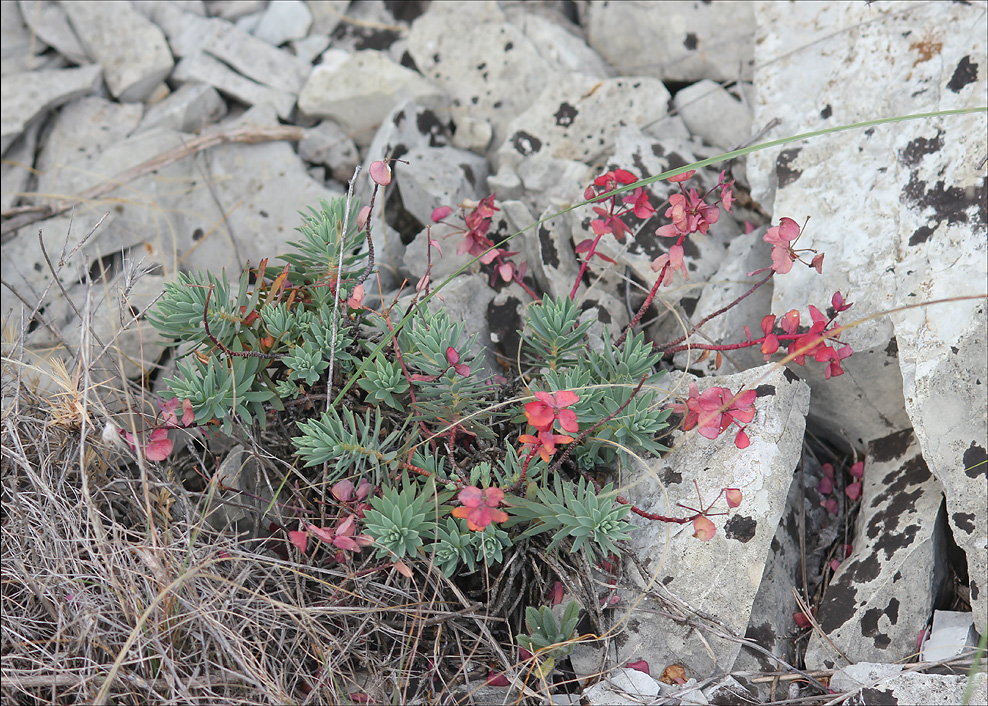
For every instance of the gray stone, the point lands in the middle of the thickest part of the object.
(674, 41)
(16, 169)
(573, 119)
(358, 91)
(487, 66)
(888, 683)
(714, 115)
(235, 9)
(923, 237)
(719, 577)
(189, 109)
(284, 20)
(557, 41)
(203, 68)
(48, 21)
(554, 264)
(506, 184)
(326, 14)
(131, 50)
(473, 134)
(951, 635)
(881, 598)
(242, 52)
(309, 48)
(328, 144)
(622, 686)
(27, 95)
(552, 182)
(439, 176)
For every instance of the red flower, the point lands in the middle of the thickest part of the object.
(781, 237)
(549, 407)
(545, 442)
(714, 410)
(480, 507)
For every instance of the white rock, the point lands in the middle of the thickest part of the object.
(473, 134)
(246, 54)
(915, 233)
(674, 41)
(882, 596)
(710, 112)
(284, 20)
(359, 90)
(309, 48)
(439, 176)
(328, 144)
(203, 68)
(47, 19)
(719, 577)
(189, 109)
(561, 48)
(506, 184)
(622, 686)
(235, 9)
(132, 51)
(17, 165)
(489, 68)
(27, 95)
(574, 119)
(326, 14)
(887, 683)
(951, 635)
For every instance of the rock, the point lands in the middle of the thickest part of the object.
(203, 68)
(374, 24)
(714, 115)
(554, 264)
(719, 577)
(674, 41)
(548, 181)
(245, 54)
(131, 50)
(557, 41)
(887, 683)
(881, 598)
(326, 143)
(309, 48)
(923, 206)
(473, 134)
(326, 15)
(487, 66)
(235, 9)
(952, 634)
(572, 119)
(27, 95)
(16, 168)
(189, 109)
(505, 184)
(284, 20)
(622, 686)
(48, 21)
(439, 176)
(359, 91)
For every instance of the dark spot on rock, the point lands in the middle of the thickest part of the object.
(975, 461)
(505, 321)
(197, 234)
(408, 62)
(525, 144)
(481, 66)
(950, 204)
(785, 173)
(790, 376)
(689, 304)
(964, 521)
(671, 477)
(690, 42)
(475, 100)
(765, 636)
(765, 390)
(838, 603)
(920, 147)
(509, 46)
(921, 235)
(869, 132)
(262, 213)
(740, 528)
(468, 173)
(676, 161)
(826, 112)
(965, 73)
(37, 267)
(405, 10)
(428, 123)
(658, 150)
(666, 580)
(892, 446)
(550, 256)
(873, 697)
(565, 115)
(892, 349)
(869, 623)
(399, 118)
(975, 590)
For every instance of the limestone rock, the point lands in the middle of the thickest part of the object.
(189, 109)
(282, 21)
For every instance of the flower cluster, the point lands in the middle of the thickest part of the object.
(814, 343)
(782, 238)
(158, 446)
(715, 409)
(542, 414)
(480, 507)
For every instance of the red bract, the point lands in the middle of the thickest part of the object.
(641, 666)
(549, 407)
(380, 172)
(545, 443)
(682, 177)
(716, 409)
(440, 213)
(169, 413)
(480, 507)
(703, 528)
(674, 258)
(689, 214)
(733, 496)
(781, 237)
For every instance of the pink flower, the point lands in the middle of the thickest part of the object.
(733, 496)
(781, 237)
(703, 528)
(343, 537)
(549, 407)
(682, 177)
(716, 409)
(380, 172)
(690, 214)
(545, 443)
(674, 259)
(169, 413)
(479, 507)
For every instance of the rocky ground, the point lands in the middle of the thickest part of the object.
(193, 132)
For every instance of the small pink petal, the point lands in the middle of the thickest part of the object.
(741, 440)
(641, 665)
(325, 535)
(682, 177)
(497, 679)
(363, 215)
(403, 569)
(343, 490)
(557, 594)
(440, 213)
(857, 470)
(703, 528)
(733, 496)
(380, 172)
(853, 491)
(299, 538)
